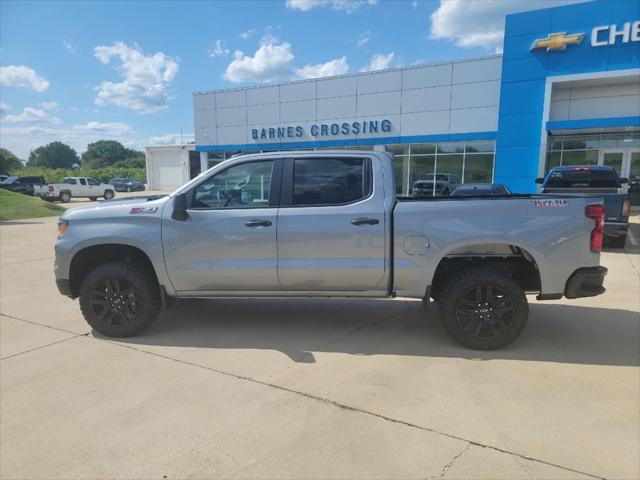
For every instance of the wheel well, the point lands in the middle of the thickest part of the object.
(515, 261)
(90, 257)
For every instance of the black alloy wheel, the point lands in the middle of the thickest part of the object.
(115, 301)
(484, 311)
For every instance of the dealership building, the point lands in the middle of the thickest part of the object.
(565, 91)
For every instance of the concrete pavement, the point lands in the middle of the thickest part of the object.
(274, 388)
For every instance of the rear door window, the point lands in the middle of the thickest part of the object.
(70, 181)
(330, 181)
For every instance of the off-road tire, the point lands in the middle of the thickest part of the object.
(93, 199)
(65, 197)
(143, 284)
(618, 242)
(454, 298)
(108, 194)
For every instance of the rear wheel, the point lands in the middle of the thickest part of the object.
(108, 194)
(119, 299)
(483, 308)
(65, 197)
(93, 199)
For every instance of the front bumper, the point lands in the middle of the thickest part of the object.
(615, 229)
(586, 282)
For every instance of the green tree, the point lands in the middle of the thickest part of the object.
(53, 155)
(103, 153)
(8, 162)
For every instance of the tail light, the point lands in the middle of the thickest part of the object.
(596, 212)
(50, 188)
(626, 207)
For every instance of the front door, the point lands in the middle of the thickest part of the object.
(331, 225)
(228, 241)
(617, 158)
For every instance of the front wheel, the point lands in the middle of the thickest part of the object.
(128, 189)
(65, 197)
(119, 299)
(108, 194)
(483, 308)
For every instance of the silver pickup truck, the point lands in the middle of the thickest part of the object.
(329, 224)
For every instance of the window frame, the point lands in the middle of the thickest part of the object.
(274, 188)
(286, 191)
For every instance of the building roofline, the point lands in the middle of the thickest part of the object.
(355, 74)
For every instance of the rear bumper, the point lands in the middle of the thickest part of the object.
(586, 282)
(615, 229)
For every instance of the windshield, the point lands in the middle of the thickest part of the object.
(9, 180)
(582, 178)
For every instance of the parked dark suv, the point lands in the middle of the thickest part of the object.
(127, 185)
(27, 185)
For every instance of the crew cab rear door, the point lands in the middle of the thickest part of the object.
(331, 224)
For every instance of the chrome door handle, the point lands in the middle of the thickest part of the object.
(257, 223)
(359, 222)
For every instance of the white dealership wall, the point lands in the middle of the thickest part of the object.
(456, 97)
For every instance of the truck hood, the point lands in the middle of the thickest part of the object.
(145, 205)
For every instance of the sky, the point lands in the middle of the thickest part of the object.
(83, 71)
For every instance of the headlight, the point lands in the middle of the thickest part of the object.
(63, 226)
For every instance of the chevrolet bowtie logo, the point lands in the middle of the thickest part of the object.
(557, 41)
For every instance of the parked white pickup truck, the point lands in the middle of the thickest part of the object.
(83, 187)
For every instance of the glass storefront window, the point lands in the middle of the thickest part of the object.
(445, 162)
(422, 166)
(398, 149)
(581, 143)
(479, 147)
(553, 160)
(478, 168)
(423, 149)
(451, 147)
(401, 167)
(580, 157)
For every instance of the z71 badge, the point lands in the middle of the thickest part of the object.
(550, 203)
(143, 210)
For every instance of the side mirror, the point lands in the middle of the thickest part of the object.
(623, 180)
(539, 181)
(180, 207)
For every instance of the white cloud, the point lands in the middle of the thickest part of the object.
(364, 38)
(21, 76)
(480, 23)
(172, 139)
(32, 115)
(50, 105)
(146, 78)
(414, 4)
(247, 34)
(379, 61)
(348, 6)
(338, 66)
(22, 139)
(219, 50)
(67, 45)
(272, 61)
(4, 107)
(109, 128)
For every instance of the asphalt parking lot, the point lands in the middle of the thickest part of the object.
(277, 388)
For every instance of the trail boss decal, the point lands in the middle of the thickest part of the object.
(550, 203)
(143, 210)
